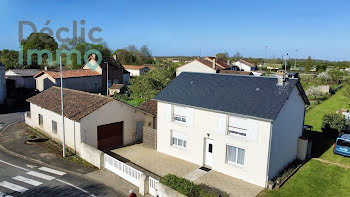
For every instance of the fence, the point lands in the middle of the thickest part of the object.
(152, 187)
(121, 169)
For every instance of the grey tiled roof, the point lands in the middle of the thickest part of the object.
(251, 96)
(26, 72)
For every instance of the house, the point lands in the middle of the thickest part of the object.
(205, 65)
(115, 88)
(116, 71)
(96, 120)
(23, 78)
(246, 127)
(80, 79)
(136, 70)
(233, 72)
(2, 84)
(245, 65)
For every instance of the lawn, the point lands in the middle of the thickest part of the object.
(330, 156)
(314, 116)
(316, 179)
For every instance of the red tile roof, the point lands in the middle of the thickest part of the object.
(133, 67)
(69, 73)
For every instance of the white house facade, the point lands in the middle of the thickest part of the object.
(245, 66)
(136, 70)
(96, 120)
(204, 65)
(250, 143)
(3, 90)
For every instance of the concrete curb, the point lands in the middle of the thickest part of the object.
(48, 165)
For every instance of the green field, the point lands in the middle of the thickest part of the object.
(316, 179)
(314, 116)
(330, 156)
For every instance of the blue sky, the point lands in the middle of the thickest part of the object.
(320, 29)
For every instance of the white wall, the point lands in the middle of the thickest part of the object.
(206, 122)
(72, 128)
(3, 91)
(112, 112)
(194, 66)
(286, 130)
(244, 66)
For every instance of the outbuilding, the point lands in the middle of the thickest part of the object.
(96, 120)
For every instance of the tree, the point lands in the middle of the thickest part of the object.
(333, 124)
(10, 59)
(222, 56)
(336, 75)
(308, 64)
(39, 41)
(237, 55)
(84, 47)
(151, 83)
(124, 56)
(131, 55)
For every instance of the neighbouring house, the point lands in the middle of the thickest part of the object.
(136, 70)
(115, 88)
(245, 65)
(23, 77)
(3, 91)
(81, 79)
(205, 65)
(246, 127)
(96, 120)
(116, 71)
(233, 72)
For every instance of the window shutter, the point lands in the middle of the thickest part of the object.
(189, 117)
(168, 112)
(252, 134)
(222, 124)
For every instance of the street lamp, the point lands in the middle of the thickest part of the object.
(63, 137)
(107, 78)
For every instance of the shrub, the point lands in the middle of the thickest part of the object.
(181, 185)
(313, 93)
(333, 124)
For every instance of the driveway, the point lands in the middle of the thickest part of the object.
(162, 164)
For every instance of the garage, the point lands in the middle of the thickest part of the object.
(110, 136)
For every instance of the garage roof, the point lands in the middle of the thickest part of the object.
(77, 104)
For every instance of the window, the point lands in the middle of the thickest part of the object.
(236, 127)
(210, 148)
(235, 155)
(54, 126)
(41, 119)
(179, 114)
(341, 142)
(178, 139)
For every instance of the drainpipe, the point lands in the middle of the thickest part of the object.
(268, 157)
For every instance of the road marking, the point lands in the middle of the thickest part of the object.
(28, 181)
(40, 175)
(2, 194)
(52, 171)
(13, 187)
(14, 165)
(30, 166)
(76, 187)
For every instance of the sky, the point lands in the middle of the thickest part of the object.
(316, 28)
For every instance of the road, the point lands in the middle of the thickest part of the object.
(10, 117)
(19, 177)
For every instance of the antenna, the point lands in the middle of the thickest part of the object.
(295, 58)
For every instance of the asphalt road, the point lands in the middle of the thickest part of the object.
(10, 117)
(19, 177)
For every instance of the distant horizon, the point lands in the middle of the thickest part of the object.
(187, 28)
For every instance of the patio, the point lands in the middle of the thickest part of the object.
(162, 164)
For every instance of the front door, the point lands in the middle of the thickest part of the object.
(208, 160)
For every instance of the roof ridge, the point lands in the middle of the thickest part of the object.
(87, 93)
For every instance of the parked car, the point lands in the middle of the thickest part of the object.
(342, 145)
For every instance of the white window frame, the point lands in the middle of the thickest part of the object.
(178, 137)
(235, 162)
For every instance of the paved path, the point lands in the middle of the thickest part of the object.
(19, 177)
(333, 163)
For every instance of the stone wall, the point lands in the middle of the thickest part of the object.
(149, 137)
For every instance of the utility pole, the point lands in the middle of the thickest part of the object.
(107, 78)
(285, 64)
(265, 56)
(63, 137)
(295, 59)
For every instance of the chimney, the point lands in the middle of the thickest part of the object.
(280, 80)
(228, 62)
(214, 62)
(115, 57)
(45, 68)
(94, 56)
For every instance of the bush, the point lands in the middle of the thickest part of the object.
(181, 185)
(333, 124)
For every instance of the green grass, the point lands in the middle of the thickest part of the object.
(330, 156)
(315, 179)
(314, 116)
